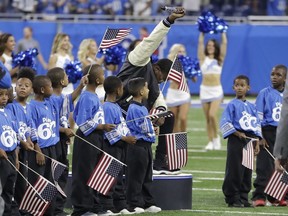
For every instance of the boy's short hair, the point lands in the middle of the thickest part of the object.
(165, 65)
(26, 72)
(135, 85)
(56, 74)
(243, 77)
(93, 70)
(283, 67)
(111, 84)
(39, 82)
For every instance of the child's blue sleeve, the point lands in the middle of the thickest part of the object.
(260, 104)
(89, 116)
(226, 123)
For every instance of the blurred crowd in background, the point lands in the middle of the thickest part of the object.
(145, 7)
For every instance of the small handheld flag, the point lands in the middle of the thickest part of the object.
(113, 37)
(248, 155)
(277, 185)
(176, 74)
(176, 150)
(104, 175)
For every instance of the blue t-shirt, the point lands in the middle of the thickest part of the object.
(113, 115)
(268, 105)
(88, 113)
(46, 121)
(139, 126)
(66, 106)
(240, 116)
(8, 128)
(23, 118)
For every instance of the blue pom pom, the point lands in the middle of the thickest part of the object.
(25, 58)
(209, 23)
(73, 70)
(190, 66)
(114, 55)
(154, 58)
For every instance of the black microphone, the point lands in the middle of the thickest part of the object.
(171, 9)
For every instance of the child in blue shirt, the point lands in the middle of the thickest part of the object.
(8, 144)
(139, 156)
(268, 105)
(239, 122)
(59, 81)
(89, 117)
(115, 142)
(45, 113)
(22, 113)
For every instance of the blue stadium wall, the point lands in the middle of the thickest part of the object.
(252, 50)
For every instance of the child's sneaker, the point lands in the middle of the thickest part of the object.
(139, 210)
(153, 209)
(282, 203)
(127, 211)
(259, 202)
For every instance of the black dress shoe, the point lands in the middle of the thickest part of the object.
(247, 205)
(236, 205)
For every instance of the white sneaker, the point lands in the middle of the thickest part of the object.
(139, 210)
(209, 146)
(217, 143)
(89, 214)
(153, 209)
(127, 212)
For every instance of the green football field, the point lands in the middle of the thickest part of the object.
(207, 169)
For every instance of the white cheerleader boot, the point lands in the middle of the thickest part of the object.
(209, 146)
(217, 143)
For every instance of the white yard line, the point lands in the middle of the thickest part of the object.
(206, 189)
(211, 179)
(236, 212)
(196, 150)
(207, 158)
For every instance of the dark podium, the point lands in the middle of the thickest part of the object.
(171, 192)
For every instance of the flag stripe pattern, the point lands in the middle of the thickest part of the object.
(57, 170)
(31, 201)
(104, 175)
(176, 150)
(248, 156)
(277, 185)
(155, 114)
(113, 37)
(176, 74)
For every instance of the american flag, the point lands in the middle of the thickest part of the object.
(155, 114)
(277, 185)
(105, 173)
(248, 155)
(37, 199)
(113, 37)
(176, 150)
(57, 170)
(176, 74)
